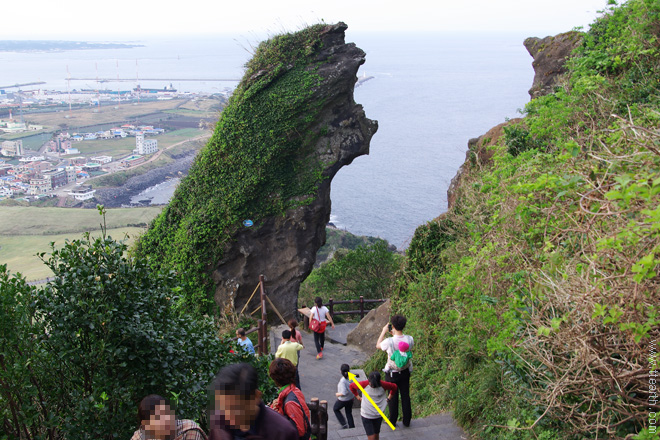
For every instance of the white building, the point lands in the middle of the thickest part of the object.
(85, 192)
(12, 148)
(101, 159)
(70, 174)
(32, 159)
(39, 186)
(143, 146)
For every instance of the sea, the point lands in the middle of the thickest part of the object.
(430, 93)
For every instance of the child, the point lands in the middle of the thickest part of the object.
(378, 391)
(402, 356)
(344, 400)
(289, 350)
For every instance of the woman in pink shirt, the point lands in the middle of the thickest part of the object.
(296, 336)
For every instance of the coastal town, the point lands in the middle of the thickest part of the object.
(23, 175)
(53, 143)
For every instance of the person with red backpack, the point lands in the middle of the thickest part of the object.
(317, 323)
(290, 402)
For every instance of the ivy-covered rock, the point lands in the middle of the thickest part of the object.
(289, 127)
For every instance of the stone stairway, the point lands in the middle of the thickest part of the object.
(319, 378)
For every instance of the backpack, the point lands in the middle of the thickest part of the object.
(308, 428)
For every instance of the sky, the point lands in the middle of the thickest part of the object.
(118, 19)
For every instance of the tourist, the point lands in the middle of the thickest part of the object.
(290, 350)
(290, 402)
(296, 335)
(239, 413)
(400, 375)
(344, 399)
(244, 341)
(158, 421)
(378, 391)
(322, 315)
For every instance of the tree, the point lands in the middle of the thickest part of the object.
(79, 354)
(367, 270)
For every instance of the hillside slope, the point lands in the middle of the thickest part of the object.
(533, 300)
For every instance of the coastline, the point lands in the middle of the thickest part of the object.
(118, 197)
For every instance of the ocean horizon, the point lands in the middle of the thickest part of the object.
(430, 93)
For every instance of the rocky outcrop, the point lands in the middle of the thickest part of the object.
(283, 247)
(477, 156)
(550, 54)
(365, 335)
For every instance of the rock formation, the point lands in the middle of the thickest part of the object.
(550, 54)
(365, 335)
(478, 155)
(325, 130)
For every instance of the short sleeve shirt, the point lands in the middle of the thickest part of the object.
(289, 350)
(321, 313)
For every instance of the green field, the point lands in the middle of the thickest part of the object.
(118, 148)
(19, 220)
(26, 231)
(19, 252)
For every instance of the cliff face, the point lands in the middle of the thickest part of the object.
(550, 55)
(290, 126)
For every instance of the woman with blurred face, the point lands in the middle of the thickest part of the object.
(158, 422)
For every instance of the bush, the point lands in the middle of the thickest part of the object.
(79, 354)
(367, 271)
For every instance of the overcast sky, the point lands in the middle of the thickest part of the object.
(90, 19)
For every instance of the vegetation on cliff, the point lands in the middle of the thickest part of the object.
(533, 301)
(255, 165)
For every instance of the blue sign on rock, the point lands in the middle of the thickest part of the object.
(247, 223)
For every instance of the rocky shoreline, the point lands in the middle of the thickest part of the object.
(121, 196)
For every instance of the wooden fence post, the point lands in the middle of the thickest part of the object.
(264, 316)
(323, 420)
(314, 415)
(260, 333)
(361, 307)
(332, 307)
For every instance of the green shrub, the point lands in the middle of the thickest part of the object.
(518, 139)
(367, 271)
(103, 334)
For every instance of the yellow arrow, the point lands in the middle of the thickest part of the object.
(351, 376)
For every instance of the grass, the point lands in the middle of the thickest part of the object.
(26, 231)
(18, 252)
(107, 115)
(22, 221)
(106, 147)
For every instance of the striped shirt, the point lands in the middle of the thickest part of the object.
(185, 430)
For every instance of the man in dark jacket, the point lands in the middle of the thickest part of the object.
(238, 412)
